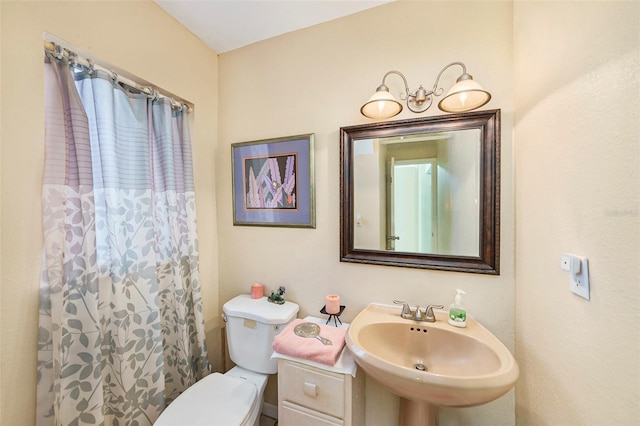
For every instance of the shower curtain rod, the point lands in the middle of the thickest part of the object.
(59, 52)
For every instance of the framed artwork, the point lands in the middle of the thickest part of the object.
(273, 182)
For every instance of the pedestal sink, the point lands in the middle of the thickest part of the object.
(430, 364)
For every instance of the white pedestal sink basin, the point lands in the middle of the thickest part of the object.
(430, 364)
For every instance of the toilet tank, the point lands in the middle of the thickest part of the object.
(252, 324)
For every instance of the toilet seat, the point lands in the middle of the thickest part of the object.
(217, 399)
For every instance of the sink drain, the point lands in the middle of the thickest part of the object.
(420, 367)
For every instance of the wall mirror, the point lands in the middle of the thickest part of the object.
(422, 193)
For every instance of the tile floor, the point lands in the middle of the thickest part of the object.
(267, 421)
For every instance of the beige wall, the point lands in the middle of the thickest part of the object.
(314, 81)
(577, 144)
(140, 38)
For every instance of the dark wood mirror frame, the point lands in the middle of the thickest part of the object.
(488, 261)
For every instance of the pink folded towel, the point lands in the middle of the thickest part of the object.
(288, 343)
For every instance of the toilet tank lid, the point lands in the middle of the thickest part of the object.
(260, 310)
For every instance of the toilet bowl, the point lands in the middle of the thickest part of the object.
(235, 397)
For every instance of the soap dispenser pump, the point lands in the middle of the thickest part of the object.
(457, 313)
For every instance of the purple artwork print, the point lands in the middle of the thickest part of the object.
(270, 182)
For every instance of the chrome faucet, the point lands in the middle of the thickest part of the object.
(416, 314)
(429, 316)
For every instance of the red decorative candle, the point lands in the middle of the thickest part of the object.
(257, 291)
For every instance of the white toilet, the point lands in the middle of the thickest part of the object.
(235, 398)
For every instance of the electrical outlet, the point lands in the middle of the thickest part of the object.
(578, 268)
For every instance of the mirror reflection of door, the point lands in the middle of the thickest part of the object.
(412, 205)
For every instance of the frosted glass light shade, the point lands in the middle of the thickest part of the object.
(381, 104)
(466, 95)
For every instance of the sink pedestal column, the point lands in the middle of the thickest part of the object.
(417, 413)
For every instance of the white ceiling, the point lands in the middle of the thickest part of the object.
(229, 24)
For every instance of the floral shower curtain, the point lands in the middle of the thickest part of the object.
(121, 326)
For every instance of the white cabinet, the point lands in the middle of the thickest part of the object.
(310, 396)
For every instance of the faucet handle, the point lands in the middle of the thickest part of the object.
(428, 312)
(406, 310)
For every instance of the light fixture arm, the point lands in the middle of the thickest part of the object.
(406, 85)
(417, 101)
(464, 76)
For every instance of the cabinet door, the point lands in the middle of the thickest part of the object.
(295, 415)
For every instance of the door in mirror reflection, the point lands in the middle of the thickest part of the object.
(412, 216)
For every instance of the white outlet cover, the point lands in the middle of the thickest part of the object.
(579, 282)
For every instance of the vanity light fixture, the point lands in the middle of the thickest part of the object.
(465, 95)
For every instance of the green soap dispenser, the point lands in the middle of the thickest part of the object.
(457, 313)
